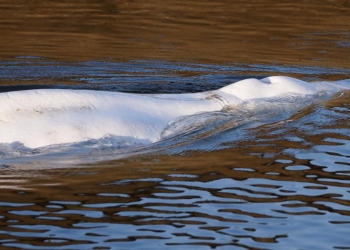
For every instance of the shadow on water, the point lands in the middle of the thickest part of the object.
(145, 76)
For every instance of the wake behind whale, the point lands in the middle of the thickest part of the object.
(32, 120)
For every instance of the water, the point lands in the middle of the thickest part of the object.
(277, 181)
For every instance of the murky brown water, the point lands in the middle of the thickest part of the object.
(286, 186)
(287, 32)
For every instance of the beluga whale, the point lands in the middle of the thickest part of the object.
(43, 117)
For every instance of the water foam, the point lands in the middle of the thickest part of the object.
(40, 118)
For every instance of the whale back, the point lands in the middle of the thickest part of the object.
(268, 87)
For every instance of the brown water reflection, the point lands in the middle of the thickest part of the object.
(271, 193)
(285, 32)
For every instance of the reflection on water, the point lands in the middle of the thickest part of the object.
(289, 187)
(290, 32)
(146, 76)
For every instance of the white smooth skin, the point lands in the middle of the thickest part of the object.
(38, 118)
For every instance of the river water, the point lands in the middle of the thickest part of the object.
(278, 180)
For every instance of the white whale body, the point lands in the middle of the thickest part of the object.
(38, 118)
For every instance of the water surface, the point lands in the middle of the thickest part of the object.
(281, 183)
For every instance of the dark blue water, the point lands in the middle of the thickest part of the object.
(144, 76)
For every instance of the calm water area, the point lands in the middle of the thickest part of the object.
(278, 180)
